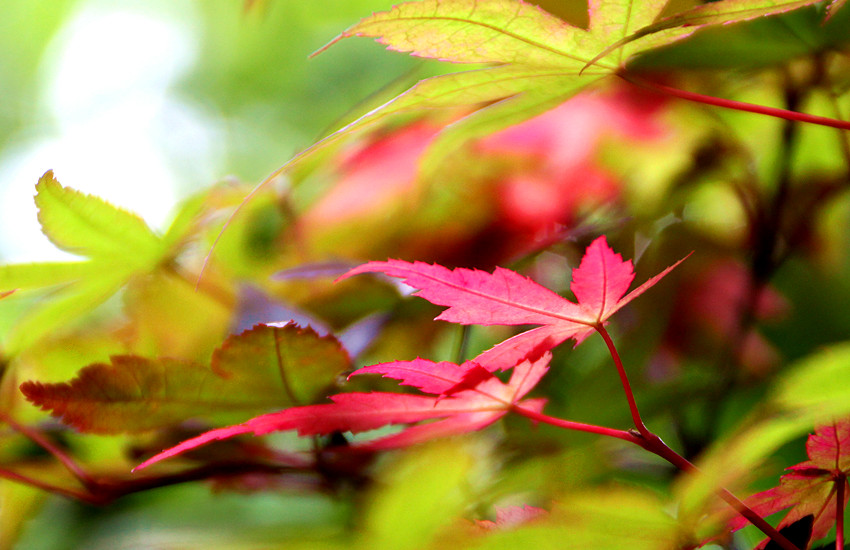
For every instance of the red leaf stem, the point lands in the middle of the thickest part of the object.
(577, 426)
(655, 445)
(627, 388)
(736, 105)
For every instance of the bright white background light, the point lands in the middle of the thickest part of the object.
(112, 127)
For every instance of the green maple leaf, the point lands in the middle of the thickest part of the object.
(117, 244)
(534, 60)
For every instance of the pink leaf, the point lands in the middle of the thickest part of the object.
(507, 298)
(477, 297)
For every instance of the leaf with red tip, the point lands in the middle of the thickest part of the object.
(468, 410)
(260, 369)
(811, 487)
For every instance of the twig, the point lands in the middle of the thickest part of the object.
(735, 105)
(39, 439)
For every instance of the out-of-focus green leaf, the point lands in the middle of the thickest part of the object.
(612, 518)
(21, 276)
(158, 305)
(303, 363)
(422, 493)
(261, 369)
(17, 505)
(187, 217)
(817, 387)
(87, 225)
(68, 305)
(118, 243)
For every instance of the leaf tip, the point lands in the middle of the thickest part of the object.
(328, 45)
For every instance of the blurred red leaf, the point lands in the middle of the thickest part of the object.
(508, 517)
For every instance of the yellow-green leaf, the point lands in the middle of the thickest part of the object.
(89, 226)
(71, 303)
(421, 494)
(37, 275)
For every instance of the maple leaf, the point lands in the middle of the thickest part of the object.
(536, 60)
(811, 487)
(118, 246)
(504, 297)
(468, 410)
(260, 369)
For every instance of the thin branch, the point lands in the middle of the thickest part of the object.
(656, 446)
(39, 439)
(627, 387)
(652, 443)
(736, 105)
(83, 496)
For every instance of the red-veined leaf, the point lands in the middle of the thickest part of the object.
(811, 487)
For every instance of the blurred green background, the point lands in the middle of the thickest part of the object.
(143, 102)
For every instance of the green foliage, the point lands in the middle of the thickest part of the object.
(556, 128)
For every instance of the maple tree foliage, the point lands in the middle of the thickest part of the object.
(147, 327)
(817, 487)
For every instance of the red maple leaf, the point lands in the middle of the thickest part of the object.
(816, 487)
(504, 297)
(465, 411)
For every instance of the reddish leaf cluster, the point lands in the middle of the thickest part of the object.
(467, 397)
